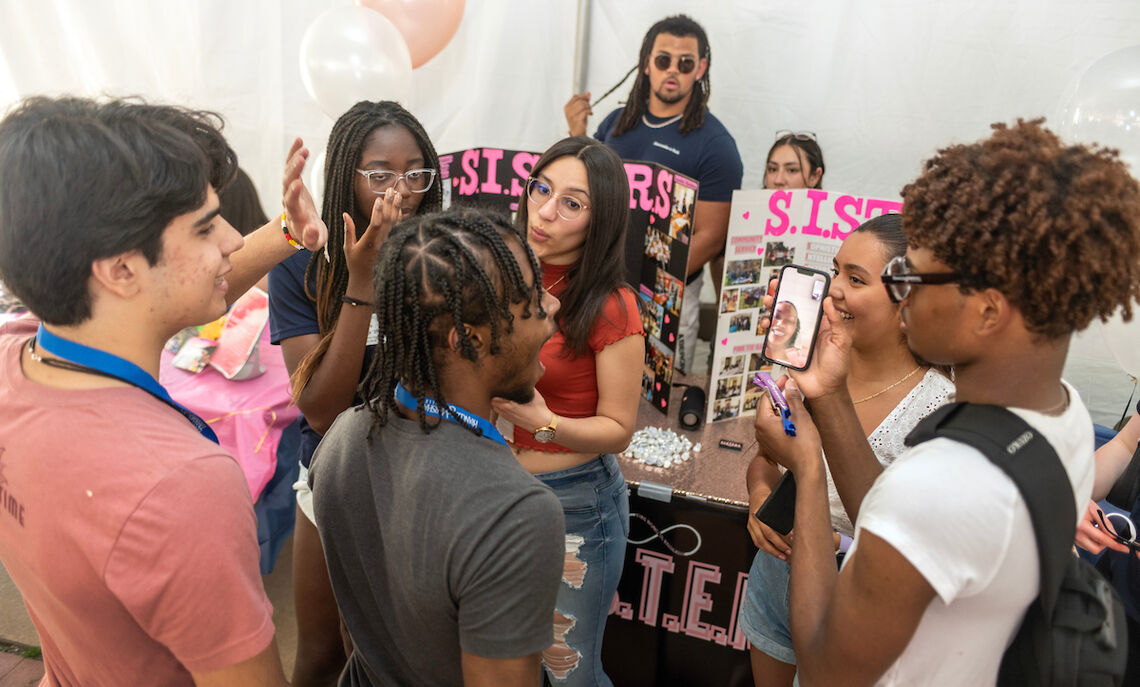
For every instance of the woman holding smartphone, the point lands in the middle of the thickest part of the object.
(892, 391)
(380, 168)
(574, 212)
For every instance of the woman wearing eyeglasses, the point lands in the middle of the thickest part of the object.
(892, 391)
(574, 212)
(380, 168)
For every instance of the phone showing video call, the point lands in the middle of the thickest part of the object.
(796, 311)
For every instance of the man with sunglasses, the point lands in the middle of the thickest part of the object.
(666, 120)
(1014, 243)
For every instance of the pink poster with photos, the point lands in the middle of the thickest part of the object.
(767, 230)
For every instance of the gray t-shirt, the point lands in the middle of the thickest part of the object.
(435, 543)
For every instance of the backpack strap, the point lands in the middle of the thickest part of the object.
(1030, 461)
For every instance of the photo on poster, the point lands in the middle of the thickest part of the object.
(728, 386)
(750, 402)
(682, 215)
(740, 323)
(667, 291)
(751, 297)
(739, 272)
(756, 363)
(778, 254)
(651, 315)
(725, 409)
(729, 299)
(657, 247)
(732, 365)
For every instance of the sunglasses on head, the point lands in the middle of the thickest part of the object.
(798, 135)
(685, 63)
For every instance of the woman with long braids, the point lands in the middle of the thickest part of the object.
(574, 212)
(380, 168)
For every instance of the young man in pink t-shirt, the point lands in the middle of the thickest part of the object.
(128, 530)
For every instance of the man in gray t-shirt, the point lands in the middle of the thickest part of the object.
(443, 553)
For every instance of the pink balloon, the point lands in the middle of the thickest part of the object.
(427, 25)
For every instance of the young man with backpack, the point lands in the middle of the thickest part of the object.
(1015, 242)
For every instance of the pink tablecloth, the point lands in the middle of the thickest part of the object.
(248, 416)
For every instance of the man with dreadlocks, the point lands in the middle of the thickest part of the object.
(666, 120)
(1013, 243)
(443, 552)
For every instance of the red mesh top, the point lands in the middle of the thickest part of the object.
(570, 384)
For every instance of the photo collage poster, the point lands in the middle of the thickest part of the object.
(767, 230)
(661, 205)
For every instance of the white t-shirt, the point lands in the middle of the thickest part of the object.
(886, 441)
(961, 522)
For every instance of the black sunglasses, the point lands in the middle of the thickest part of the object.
(685, 63)
(898, 278)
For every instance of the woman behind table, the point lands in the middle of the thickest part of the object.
(574, 212)
(892, 392)
(794, 161)
(380, 168)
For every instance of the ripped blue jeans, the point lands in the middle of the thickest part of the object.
(596, 505)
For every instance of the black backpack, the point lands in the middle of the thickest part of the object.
(1074, 633)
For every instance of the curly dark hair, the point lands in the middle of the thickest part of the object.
(1054, 227)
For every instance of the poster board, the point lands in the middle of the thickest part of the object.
(661, 204)
(767, 230)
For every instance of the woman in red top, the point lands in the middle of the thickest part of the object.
(574, 212)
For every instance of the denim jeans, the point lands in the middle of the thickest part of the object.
(596, 505)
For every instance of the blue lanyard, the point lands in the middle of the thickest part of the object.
(480, 425)
(123, 370)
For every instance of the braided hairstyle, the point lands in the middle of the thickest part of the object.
(436, 273)
(346, 142)
(330, 277)
(682, 26)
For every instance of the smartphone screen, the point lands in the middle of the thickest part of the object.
(796, 312)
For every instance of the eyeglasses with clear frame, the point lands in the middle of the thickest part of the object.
(898, 278)
(685, 63)
(568, 207)
(380, 180)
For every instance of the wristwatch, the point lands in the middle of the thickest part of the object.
(546, 434)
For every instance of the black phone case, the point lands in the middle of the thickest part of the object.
(818, 319)
(779, 510)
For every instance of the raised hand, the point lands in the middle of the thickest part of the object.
(360, 254)
(576, 110)
(301, 214)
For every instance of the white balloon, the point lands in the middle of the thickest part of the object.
(351, 53)
(1106, 106)
(1106, 109)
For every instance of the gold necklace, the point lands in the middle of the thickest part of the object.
(905, 377)
(558, 280)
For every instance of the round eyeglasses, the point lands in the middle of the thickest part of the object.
(685, 63)
(568, 207)
(380, 180)
(898, 278)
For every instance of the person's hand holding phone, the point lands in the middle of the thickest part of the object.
(828, 371)
(792, 452)
(764, 537)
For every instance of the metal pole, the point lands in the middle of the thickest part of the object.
(582, 46)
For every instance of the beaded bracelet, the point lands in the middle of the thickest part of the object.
(289, 237)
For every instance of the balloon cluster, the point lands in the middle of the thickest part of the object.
(368, 51)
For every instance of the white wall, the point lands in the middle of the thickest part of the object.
(882, 83)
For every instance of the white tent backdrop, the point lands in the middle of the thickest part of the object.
(883, 84)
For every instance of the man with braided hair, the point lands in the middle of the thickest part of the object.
(443, 552)
(1014, 243)
(666, 119)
